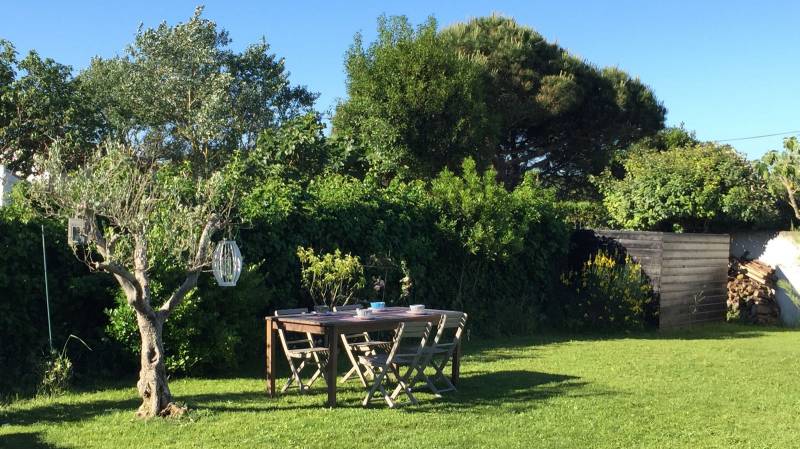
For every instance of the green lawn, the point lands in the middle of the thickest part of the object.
(718, 387)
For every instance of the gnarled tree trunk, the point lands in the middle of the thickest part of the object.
(152, 385)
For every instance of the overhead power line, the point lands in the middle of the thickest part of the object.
(758, 137)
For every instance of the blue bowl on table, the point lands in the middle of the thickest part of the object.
(377, 305)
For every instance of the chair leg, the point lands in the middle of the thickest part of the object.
(403, 385)
(349, 350)
(422, 376)
(295, 376)
(441, 375)
(317, 375)
(377, 384)
(320, 372)
(387, 397)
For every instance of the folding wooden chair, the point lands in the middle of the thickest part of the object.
(402, 355)
(304, 352)
(359, 344)
(438, 354)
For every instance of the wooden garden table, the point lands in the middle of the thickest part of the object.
(337, 323)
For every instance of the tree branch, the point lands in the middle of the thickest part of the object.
(130, 285)
(790, 194)
(193, 273)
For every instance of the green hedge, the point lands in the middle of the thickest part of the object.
(77, 300)
(468, 243)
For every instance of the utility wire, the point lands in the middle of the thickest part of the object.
(758, 137)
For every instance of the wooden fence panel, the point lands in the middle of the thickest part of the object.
(689, 272)
(694, 281)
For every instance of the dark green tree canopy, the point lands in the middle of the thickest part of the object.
(41, 102)
(555, 113)
(414, 106)
(419, 100)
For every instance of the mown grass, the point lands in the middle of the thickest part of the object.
(716, 387)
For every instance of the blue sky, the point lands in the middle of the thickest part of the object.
(727, 69)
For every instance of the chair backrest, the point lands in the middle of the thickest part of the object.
(414, 329)
(287, 344)
(445, 334)
(418, 332)
(452, 319)
(286, 312)
(347, 308)
(322, 309)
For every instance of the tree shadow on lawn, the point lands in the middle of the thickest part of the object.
(58, 412)
(26, 440)
(509, 391)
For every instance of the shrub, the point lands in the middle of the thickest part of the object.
(702, 188)
(57, 370)
(608, 294)
(215, 330)
(498, 253)
(331, 279)
(463, 241)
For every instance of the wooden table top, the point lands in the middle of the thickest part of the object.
(349, 318)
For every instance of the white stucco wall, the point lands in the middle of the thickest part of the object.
(780, 250)
(7, 180)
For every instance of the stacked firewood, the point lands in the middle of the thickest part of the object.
(751, 292)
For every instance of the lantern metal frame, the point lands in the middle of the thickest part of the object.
(226, 263)
(77, 232)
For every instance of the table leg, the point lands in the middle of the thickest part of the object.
(332, 337)
(270, 358)
(455, 366)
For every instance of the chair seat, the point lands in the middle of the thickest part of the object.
(425, 350)
(380, 359)
(305, 353)
(434, 350)
(369, 345)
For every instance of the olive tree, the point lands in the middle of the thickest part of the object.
(180, 111)
(137, 210)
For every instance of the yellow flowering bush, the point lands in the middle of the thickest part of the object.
(609, 292)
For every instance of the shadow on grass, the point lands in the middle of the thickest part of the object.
(26, 440)
(66, 412)
(510, 391)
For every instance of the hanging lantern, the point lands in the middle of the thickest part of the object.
(76, 231)
(227, 263)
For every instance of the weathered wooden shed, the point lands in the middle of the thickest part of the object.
(688, 271)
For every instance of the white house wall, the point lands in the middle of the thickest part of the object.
(780, 250)
(7, 181)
